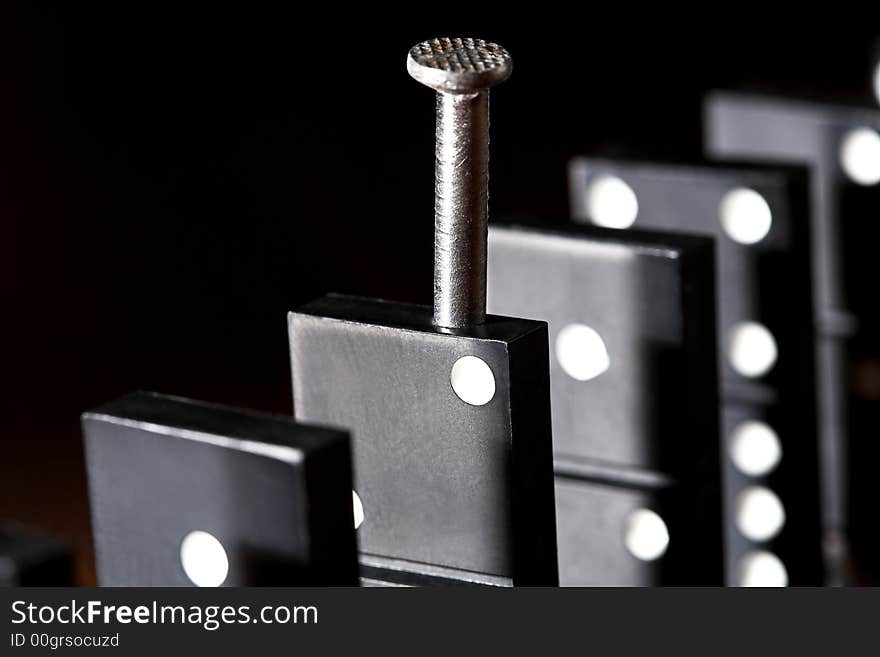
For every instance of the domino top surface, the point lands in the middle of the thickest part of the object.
(220, 425)
(651, 242)
(412, 317)
(804, 108)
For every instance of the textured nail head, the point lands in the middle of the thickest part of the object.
(459, 66)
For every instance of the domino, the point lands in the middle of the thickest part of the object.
(633, 377)
(186, 493)
(28, 559)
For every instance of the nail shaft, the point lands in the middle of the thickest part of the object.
(461, 193)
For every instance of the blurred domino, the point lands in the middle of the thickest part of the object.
(185, 493)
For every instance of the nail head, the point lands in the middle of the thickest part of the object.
(459, 65)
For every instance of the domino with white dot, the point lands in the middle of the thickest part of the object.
(633, 378)
(451, 437)
(185, 493)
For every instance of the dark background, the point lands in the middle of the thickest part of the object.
(172, 182)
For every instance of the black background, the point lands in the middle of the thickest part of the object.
(173, 181)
